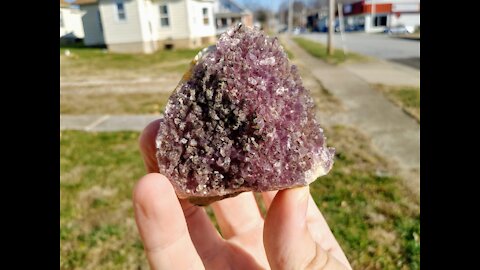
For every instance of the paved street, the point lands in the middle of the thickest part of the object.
(403, 51)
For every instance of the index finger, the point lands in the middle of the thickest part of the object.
(162, 226)
(205, 237)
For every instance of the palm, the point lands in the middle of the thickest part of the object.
(179, 235)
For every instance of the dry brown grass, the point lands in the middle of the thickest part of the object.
(86, 62)
(107, 103)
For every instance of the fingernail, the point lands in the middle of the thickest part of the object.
(301, 198)
(302, 193)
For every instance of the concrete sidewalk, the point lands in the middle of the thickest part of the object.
(395, 134)
(102, 123)
(385, 72)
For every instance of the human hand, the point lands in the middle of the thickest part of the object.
(179, 235)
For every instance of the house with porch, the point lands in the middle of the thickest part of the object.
(144, 26)
(228, 13)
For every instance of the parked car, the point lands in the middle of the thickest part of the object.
(299, 30)
(400, 29)
(283, 30)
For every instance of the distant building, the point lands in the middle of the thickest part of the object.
(70, 21)
(369, 15)
(317, 19)
(377, 15)
(144, 26)
(229, 12)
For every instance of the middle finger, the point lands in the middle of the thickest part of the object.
(237, 215)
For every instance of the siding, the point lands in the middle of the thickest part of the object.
(92, 25)
(72, 22)
(195, 18)
(145, 8)
(177, 14)
(116, 31)
(392, 1)
(406, 19)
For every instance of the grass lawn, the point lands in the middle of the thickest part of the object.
(319, 50)
(371, 214)
(107, 103)
(97, 62)
(290, 54)
(408, 98)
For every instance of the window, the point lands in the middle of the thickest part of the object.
(120, 6)
(205, 16)
(380, 20)
(224, 22)
(61, 19)
(164, 21)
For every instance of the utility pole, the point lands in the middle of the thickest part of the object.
(290, 16)
(331, 26)
(373, 13)
(342, 27)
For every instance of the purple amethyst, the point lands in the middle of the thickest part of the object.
(240, 120)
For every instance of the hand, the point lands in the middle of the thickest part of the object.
(179, 235)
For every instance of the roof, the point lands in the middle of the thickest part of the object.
(63, 3)
(84, 2)
(231, 6)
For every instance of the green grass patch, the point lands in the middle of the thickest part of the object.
(97, 175)
(98, 61)
(104, 59)
(372, 215)
(319, 50)
(408, 98)
(289, 53)
(107, 103)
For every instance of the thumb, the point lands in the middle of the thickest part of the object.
(287, 240)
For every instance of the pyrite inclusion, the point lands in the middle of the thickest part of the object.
(240, 120)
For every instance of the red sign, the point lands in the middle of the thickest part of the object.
(379, 8)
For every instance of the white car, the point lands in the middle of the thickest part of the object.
(401, 29)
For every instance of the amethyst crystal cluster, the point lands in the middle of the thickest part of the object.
(240, 120)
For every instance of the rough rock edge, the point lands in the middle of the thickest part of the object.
(311, 175)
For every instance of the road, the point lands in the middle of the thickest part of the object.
(403, 51)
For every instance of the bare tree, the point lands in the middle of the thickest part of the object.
(299, 13)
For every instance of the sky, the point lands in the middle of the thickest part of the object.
(270, 4)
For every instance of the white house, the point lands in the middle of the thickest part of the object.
(147, 25)
(71, 26)
(229, 12)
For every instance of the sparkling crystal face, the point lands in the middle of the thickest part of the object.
(241, 120)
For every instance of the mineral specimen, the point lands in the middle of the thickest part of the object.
(240, 120)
